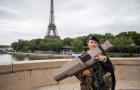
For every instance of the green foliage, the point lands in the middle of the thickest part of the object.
(54, 45)
(84, 40)
(109, 36)
(37, 44)
(122, 34)
(121, 40)
(33, 45)
(14, 45)
(131, 34)
(77, 45)
(136, 39)
(21, 45)
(67, 41)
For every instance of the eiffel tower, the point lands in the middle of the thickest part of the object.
(52, 32)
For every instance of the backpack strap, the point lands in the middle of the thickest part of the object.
(111, 69)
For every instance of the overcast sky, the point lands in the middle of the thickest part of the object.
(29, 19)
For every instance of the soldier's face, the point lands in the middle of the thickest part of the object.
(92, 44)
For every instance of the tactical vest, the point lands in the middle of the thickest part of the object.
(87, 82)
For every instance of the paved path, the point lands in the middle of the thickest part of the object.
(121, 85)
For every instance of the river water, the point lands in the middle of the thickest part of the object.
(9, 58)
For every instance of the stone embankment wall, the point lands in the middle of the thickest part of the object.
(38, 75)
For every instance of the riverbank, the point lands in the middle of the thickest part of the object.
(64, 56)
(53, 56)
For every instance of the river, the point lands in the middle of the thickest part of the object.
(10, 57)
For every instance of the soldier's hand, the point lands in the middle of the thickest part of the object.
(87, 72)
(102, 58)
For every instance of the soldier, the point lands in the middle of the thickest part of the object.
(89, 80)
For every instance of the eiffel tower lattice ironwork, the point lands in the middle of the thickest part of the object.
(52, 32)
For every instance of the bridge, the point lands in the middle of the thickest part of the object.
(38, 75)
(4, 48)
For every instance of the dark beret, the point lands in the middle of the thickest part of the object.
(94, 38)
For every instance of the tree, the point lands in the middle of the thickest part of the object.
(67, 41)
(58, 45)
(84, 40)
(121, 42)
(77, 45)
(42, 45)
(136, 39)
(33, 45)
(25, 47)
(122, 34)
(109, 36)
(53, 45)
(14, 45)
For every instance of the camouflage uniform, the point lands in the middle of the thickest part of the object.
(87, 82)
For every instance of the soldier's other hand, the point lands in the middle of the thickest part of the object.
(87, 72)
(102, 58)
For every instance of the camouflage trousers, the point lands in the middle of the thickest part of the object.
(87, 82)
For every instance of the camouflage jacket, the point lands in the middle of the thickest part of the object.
(87, 82)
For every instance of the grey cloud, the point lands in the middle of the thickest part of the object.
(10, 14)
(28, 19)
